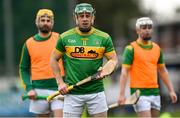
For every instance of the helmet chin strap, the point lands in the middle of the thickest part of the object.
(77, 22)
(92, 20)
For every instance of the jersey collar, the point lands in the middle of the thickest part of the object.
(39, 38)
(145, 46)
(139, 41)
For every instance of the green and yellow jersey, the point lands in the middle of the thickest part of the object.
(143, 61)
(34, 68)
(83, 55)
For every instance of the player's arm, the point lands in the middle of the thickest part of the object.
(110, 53)
(112, 57)
(54, 62)
(122, 83)
(126, 65)
(164, 76)
(24, 69)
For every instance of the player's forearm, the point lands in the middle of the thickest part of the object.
(114, 60)
(56, 70)
(122, 84)
(165, 78)
(25, 77)
(167, 82)
(123, 80)
(24, 69)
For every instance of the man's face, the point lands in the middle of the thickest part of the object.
(84, 21)
(145, 31)
(45, 24)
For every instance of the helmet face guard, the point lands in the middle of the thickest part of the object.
(84, 7)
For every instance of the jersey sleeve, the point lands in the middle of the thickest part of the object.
(128, 55)
(161, 59)
(109, 45)
(24, 69)
(60, 46)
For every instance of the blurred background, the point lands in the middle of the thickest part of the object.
(116, 17)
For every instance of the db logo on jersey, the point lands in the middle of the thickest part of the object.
(80, 52)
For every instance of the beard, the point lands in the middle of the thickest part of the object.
(147, 38)
(44, 29)
(84, 29)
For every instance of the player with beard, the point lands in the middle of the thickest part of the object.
(35, 70)
(83, 49)
(142, 60)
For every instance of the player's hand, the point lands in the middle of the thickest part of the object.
(173, 97)
(100, 73)
(63, 88)
(121, 99)
(32, 94)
